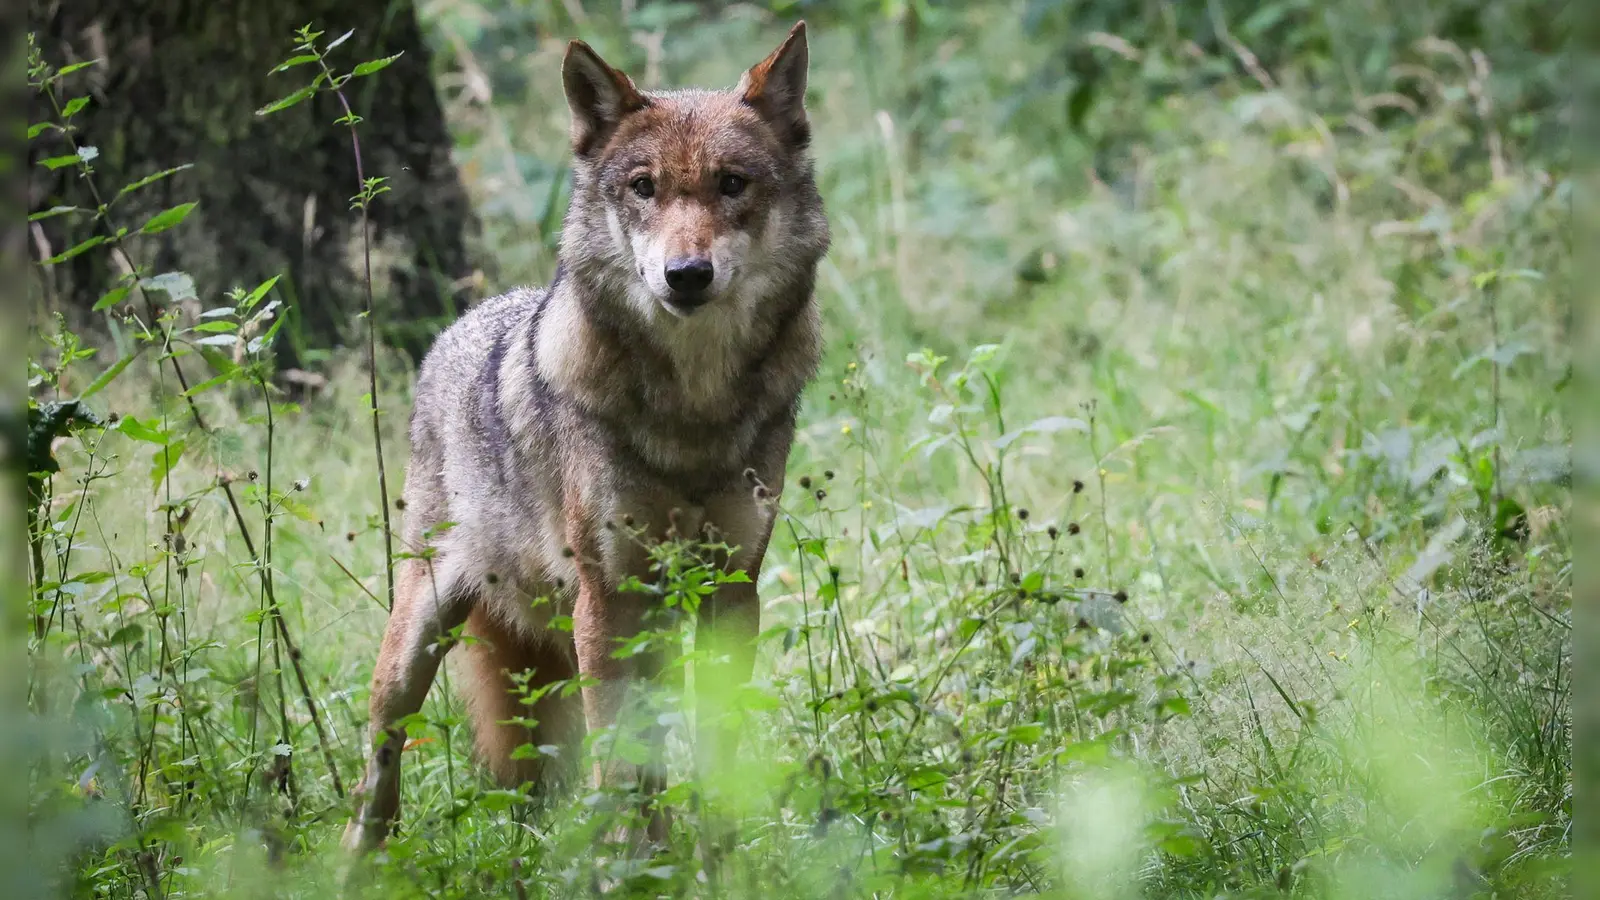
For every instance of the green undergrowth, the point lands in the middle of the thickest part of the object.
(1181, 511)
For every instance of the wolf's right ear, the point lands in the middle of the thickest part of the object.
(598, 95)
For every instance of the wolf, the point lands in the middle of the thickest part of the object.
(649, 392)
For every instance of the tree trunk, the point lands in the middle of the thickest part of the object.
(180, 82)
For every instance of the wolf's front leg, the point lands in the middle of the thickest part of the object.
(426, 608)
(617, 701)
(730, 619)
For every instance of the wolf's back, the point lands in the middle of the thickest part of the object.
(457, 388)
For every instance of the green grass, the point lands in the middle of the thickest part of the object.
(1289, 383)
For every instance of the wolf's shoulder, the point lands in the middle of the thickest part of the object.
(461, 349)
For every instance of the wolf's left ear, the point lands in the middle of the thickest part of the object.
(776, 88)
(598, 95)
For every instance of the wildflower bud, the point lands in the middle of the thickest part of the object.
(828, 474)
(805, 482)
(1053, 531)
(254, 475)
(350, 536)
(821, 495)
(1077, 572)
(400, 503)
(302, 484)
(1072, 528)
(1077, 486)
(1121, 596)
(1144, 638)
(1022, 514)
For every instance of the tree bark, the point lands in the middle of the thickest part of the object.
(180, 82)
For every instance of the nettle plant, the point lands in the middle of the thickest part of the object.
(142, 680)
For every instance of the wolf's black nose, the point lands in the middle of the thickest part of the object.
(689, 274)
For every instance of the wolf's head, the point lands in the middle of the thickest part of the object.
(693, 203)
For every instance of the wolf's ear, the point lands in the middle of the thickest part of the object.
(776, 88)
(598, 95)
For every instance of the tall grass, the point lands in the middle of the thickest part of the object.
(1187, 522)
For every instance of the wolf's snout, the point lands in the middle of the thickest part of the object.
(689, 274)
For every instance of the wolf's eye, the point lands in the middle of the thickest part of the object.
(731, 185)
(643, 186)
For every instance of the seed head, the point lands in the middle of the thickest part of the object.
(805, 482)
(350, 535)
(821, 495)
(1022, 514)
(400, 503)
(1072, 528)
(1077, 572)
(491, 578)
(627, 519)
(828, 474)
(1120, 596)
(1077, 486)
(1144, 638)
(1053, 531)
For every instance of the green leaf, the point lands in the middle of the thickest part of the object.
(112, 297)
(68, 70)
(293, 61)
(162, 462)
(375, 65)
(217, 327)
(260, 291)
(150, 179)
(210, 383)
(168, 218)
(74, 106)
(54, 211)
(39, 128)
(84, 247)
(286, 102)
(149, 432)
(219, 340)
(177, 285)
(106, 377)
(338, 40)
(59, 162)
(925, 777)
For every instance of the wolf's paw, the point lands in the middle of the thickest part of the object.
(364, 834)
